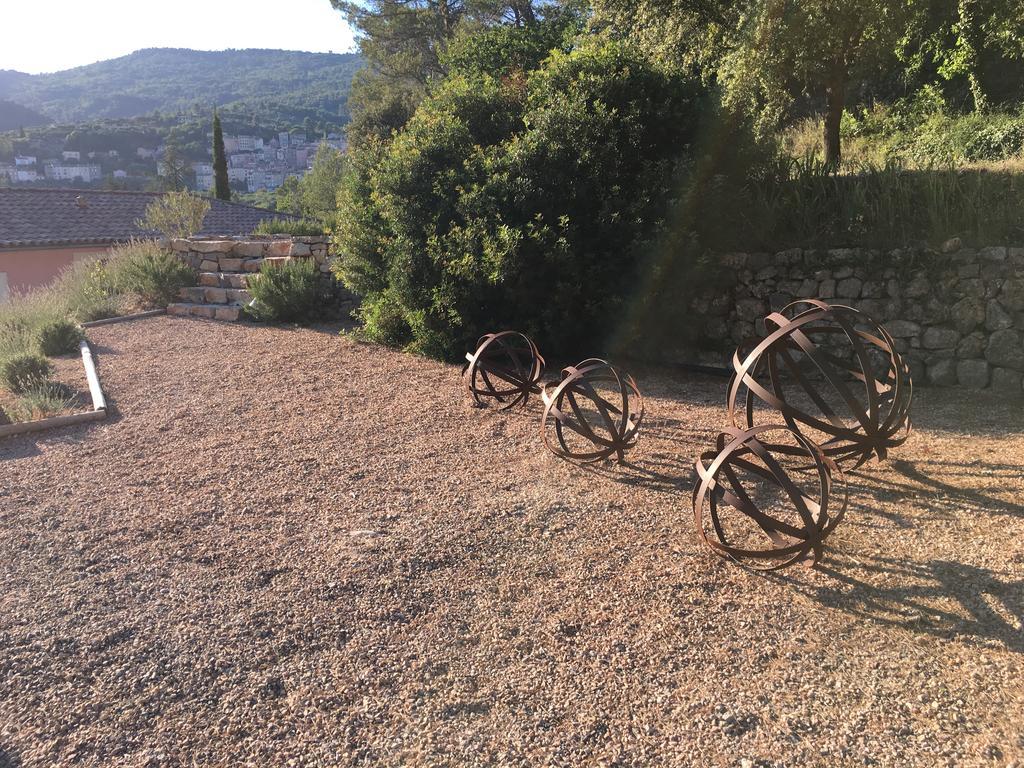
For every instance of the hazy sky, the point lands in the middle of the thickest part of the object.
(50, 35)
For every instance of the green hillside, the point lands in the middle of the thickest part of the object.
(282, 86)
(14, 116)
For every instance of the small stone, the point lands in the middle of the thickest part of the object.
(967, 314)
(1012, 295)
(227, 313)
(968, 270)
(252, 265)
(952, 245)
(229, 264)
(1003, 379)
(917, 287)
(940, 338)
(180, 245)
(902, 329)
(249, 249)
(213, 246)
(178, 310)
(972, 287)
(872, 290)
(849, 288)
(843, 272)
(973, 374)
(209, 279)
(750, 309)
(971, 347)
(827, 289)
(994, 253)
(299, 249)
(997, 318)
(808, 289)
(215, 295)
(279, 248)
(203, 311)
(1005, 350)
(209, 266)
(942, 373)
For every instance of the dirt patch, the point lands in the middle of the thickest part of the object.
(285, 546)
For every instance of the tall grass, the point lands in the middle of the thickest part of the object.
(804, 202)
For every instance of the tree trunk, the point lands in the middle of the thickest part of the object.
(835, 102)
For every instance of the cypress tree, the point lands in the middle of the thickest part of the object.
(221, 186)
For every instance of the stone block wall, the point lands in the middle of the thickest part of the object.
(957, 314)
(220, 253)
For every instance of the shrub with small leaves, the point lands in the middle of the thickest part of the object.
(144, 271)
(294, 227)
(287, 293)
(21, 372)
(59, 337)
(42, 399)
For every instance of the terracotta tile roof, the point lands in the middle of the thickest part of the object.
(39, 217)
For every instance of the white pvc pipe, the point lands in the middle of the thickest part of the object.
(98, 401)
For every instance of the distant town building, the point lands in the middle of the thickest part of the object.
(23, 175)
(76, 172)
(145, 153)
(284, 139)
(120, 174)
(24, 160)
(68, 154)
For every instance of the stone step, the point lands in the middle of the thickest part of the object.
(209, 295)
(223, 280)
(223, 262)
(229, 312)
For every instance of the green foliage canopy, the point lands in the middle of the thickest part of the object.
(514, 201)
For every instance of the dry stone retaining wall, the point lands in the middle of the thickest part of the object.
(957, 315)
(246, 255)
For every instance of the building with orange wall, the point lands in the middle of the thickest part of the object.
(43, 232)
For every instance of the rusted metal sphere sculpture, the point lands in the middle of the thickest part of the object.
(758, 513)
(594, 412)
(832, 374)
(506, 368)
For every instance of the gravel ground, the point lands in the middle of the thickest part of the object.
(286, 548)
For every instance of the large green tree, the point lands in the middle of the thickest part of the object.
(515, 200)
(771, 56)
(315, 195)
(404, 44)
(221, 185)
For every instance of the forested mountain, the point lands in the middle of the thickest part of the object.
(14, 116)
(281, 86)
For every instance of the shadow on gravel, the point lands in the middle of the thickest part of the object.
(937, 597)
(8, 758)
(659, 472)
(25, 446)
(946, 480)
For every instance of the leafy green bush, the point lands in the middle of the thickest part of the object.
(286, 293)
(515, 201)
(293, 227)
(147, 273)
(22, 371)
(59, 337)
